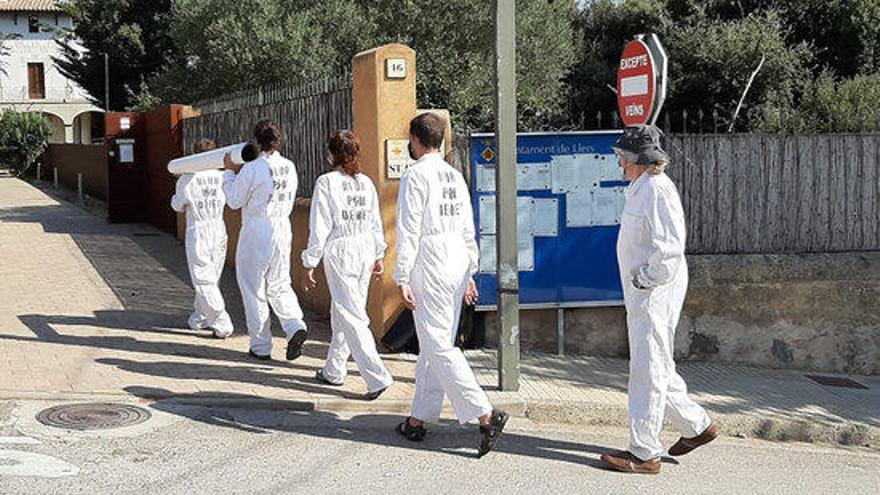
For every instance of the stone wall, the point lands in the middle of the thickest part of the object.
(812, 311)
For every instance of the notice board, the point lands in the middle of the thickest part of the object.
(570, 196)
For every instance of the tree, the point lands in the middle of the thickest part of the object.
(133, 34)
(455, 53)
(23, 137)
(225, 46)
(711, 60)
(829, 105)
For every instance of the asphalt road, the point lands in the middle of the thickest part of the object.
(195, 450)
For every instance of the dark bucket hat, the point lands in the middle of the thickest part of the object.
(643, 143)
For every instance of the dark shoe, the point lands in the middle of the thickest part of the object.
(627, 463)
(412, 433)
(685, 445)
(295, 344)
(253, 354)
(491, 432)
(319, 375)
(374, 394)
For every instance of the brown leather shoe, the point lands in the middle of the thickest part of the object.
(685, 445)
(628, 463)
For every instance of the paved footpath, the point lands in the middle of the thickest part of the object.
(92, 309)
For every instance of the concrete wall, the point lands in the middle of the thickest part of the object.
(811, 311)
(74, 159)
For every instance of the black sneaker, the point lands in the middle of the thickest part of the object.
(261, 357)
(491, 432)
(410, 432)
(374, 394)
(295, 344)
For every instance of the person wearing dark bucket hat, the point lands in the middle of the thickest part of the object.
(653, 271)
(642, 144)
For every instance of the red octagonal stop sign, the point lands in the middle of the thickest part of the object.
(635, 84)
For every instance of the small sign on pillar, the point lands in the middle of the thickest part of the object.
(395, 68)
(397, 157)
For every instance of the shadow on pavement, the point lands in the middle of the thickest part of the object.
(43, 328)
(377, 429)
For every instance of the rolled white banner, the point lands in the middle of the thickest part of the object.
(207, 160)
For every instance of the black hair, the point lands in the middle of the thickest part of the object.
(429, 129)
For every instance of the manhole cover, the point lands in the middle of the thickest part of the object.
(836, 381)
(93, 416)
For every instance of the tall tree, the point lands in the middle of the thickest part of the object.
(134, 36)
(711, 59)
(224, 46)
(455, 49)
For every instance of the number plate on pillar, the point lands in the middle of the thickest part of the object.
(395, 68)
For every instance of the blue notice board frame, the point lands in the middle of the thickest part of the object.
(578, 266)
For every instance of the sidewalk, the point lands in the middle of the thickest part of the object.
(89, 309)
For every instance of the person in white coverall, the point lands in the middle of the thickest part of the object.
(345, 230)
(200, 195)
(654, 275)
(436, 257)
(265, 190)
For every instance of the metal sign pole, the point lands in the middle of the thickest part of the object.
(505, 213)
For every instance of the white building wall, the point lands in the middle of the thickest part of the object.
(64, 98)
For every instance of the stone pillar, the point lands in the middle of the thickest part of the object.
(382, 108)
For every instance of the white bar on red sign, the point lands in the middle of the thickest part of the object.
(208, 160)
(634, 86)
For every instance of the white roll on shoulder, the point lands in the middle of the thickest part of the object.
(208, 160)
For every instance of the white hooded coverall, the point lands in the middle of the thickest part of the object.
(265, 190)
(201, 196)
(651, 247)
(345, 229)
(437, 255)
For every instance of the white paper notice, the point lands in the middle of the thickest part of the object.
(588, 172)
(564, 174)
(525, 206)
(533, 176)
(545, 217)
(526, 253)
(487, 254)
(485, 178)
(609, 169)
(577, 209)
(604, 208)
(487, 215)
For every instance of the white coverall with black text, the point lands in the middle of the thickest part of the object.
(201, 196)
(265, 190)
(437, 255)
(345, 229)
(651, 248)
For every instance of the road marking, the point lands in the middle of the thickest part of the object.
(16, 463)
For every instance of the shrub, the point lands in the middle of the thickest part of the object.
(23, 137)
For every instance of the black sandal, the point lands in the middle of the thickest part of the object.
(490, 433)
(410, 432)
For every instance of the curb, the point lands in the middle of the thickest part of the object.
(574, 413)
(764, 427)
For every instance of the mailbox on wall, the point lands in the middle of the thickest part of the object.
(126, 151)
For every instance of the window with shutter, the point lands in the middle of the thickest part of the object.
(36, 82)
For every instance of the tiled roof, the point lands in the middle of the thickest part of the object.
(29, 6)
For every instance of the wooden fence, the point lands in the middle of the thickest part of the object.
(307, 114)
(753, 193)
